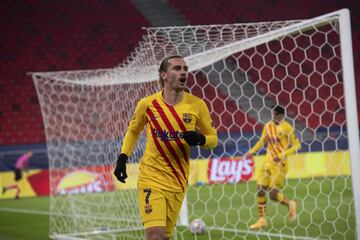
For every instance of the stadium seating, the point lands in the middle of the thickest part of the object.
(45, 35)
(299, 99)
(56, 35)
(226, 115)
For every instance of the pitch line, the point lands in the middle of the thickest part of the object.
(47, 213)
(28, 211)
(263, 233)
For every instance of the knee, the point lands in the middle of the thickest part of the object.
(261, 192)
(273, 194)
(155, 233)
(155, 236)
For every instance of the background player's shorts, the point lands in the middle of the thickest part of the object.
(272, 175)
(18, 174)
(159, 208)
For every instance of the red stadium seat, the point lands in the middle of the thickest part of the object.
(57, 36)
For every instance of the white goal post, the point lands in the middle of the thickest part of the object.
(241, 71)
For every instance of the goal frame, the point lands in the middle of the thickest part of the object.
(346, 51)
(350, 107)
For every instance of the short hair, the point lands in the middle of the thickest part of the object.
(164, 65)
(278, 110)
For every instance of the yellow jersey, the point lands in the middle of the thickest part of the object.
(279, 138)
(165, 163)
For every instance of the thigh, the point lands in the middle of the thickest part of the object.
(278, 174)
(263, 177)
(174, 203)
(152, 206)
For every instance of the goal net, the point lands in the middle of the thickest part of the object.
(241, 71)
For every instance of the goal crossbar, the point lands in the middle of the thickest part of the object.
(197, 61)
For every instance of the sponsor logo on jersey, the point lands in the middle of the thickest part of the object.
(167, 135)
(224, 170)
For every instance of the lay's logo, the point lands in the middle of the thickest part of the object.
(224, 170)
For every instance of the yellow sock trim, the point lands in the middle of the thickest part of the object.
(261, 202)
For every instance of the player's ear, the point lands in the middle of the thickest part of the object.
(163, 75)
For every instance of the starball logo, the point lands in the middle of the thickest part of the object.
(167, 135)
(81, 181)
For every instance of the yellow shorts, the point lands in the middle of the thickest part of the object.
(272, 174)
(159, 208)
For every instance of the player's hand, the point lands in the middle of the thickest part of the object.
(194, 138)
(247, 155)
(120, 169)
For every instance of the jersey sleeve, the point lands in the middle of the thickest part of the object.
(261, 142)
(136, 125)
(294, 142)
(206, 128)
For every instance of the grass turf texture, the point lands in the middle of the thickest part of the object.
(325, 210)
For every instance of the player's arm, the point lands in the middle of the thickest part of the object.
(135, 127)
(294, 141)
(260, 143)
(207, 137)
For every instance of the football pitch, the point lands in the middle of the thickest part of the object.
(325, 207)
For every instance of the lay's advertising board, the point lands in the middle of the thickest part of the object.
(95, 179)
(64, 181)
(237, 169)
(82, 180)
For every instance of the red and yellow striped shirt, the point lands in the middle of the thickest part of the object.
(279, 138)
(165, 163)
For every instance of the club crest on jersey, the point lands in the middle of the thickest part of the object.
(148, 208)
(187, 117)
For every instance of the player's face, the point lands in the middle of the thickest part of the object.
(176, 74)
(277, 117)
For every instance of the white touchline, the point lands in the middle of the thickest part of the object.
(22, 210)
(39, 212)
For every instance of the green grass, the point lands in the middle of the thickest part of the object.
(325, 207)
(33, 223)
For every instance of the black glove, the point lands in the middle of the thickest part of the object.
(120, 170)
(194, 138)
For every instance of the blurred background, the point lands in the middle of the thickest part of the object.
(42, 35)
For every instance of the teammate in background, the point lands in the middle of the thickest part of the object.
(281, 141)
(175, 120)
(20, 165)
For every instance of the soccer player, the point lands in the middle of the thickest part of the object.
(20, 165)
(175, 121)
(281, 141)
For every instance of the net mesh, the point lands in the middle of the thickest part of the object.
(241, 71)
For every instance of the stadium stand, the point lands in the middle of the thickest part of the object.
(232, 119)
(215, 12)
(50, 36)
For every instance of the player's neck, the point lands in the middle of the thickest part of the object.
(172, 96)
(277, 122)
